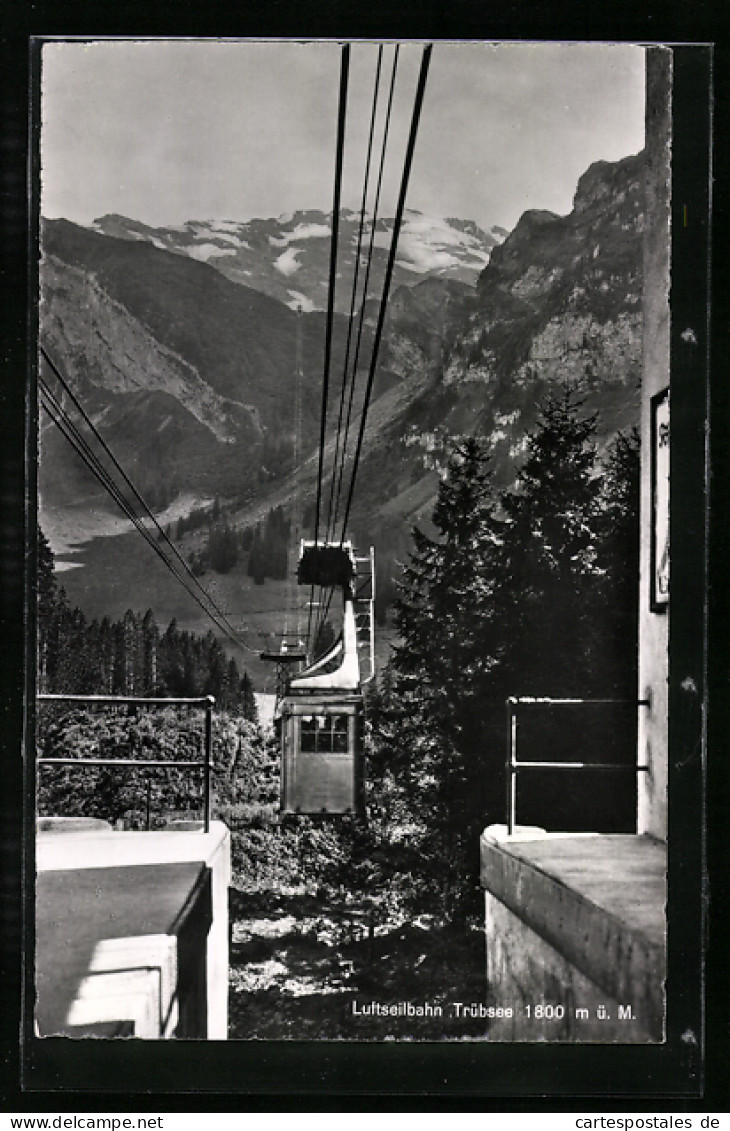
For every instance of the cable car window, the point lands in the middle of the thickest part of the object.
(308, 741)
(324, 734)
(339, 734)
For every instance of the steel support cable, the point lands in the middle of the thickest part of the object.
(376, 206)
(338, 473)
(319, 604)
(366, 283)
(423, 75)
(325, 601)
(353, 298)
(344, 72)
(77, 441)
(342, 112)
(161, 531)
(311, 636)
(71, 434)
(298, 501)
(297, 421)
(69, 430)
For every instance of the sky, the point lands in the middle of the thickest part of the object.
(165, 131)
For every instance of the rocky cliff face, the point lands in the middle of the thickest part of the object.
(561, 298)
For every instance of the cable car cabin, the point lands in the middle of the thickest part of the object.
(321, 732)
(322, 755)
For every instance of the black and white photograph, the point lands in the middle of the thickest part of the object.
(356, 388)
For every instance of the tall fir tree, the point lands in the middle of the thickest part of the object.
(549, 555)
(444, 615)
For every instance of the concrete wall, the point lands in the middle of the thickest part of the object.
(575, 935)
(132, 932)
(542, 995)
(654, 625)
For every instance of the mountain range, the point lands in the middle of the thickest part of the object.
(288, 256)
(207, 385)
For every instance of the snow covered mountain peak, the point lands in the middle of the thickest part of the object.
(287, 256)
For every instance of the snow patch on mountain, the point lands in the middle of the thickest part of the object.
(206, 251)
(224, 225)
(230, 240)
(298, 300)
(287, 262)
(422, 259)
(431, 243)
(301, 232)
(309, 232)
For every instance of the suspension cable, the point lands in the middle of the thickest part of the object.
(326, 606)
(74, 437)
(353, 298)
(425, 61)
(339, 473)
(66, 426)
(70, 432)
(366, 283)
(344, 72)
(147, 510)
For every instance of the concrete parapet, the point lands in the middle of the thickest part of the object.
(575, 935)
(132, 933)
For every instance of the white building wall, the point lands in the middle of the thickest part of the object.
(654, 625)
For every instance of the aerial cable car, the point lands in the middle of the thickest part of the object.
(321, 712)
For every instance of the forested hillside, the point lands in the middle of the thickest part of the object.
(130, 656)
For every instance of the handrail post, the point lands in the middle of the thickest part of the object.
(511, 766)
(208, 751)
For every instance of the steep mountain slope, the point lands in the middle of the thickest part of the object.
(173, 358)
(195, 377)
(287, 256)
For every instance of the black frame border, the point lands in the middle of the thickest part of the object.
(65, 1074)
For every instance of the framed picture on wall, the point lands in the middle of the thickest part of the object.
(659, 581)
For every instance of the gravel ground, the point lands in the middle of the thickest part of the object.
(302, 969)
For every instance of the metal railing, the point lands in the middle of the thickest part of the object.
(513, 766)
(205, 765)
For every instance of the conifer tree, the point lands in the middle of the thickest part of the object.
(444, 615)
(531, 593)
(619, 560)
(549, 565)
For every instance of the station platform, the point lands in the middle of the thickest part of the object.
(131, 932)
(575, 923)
